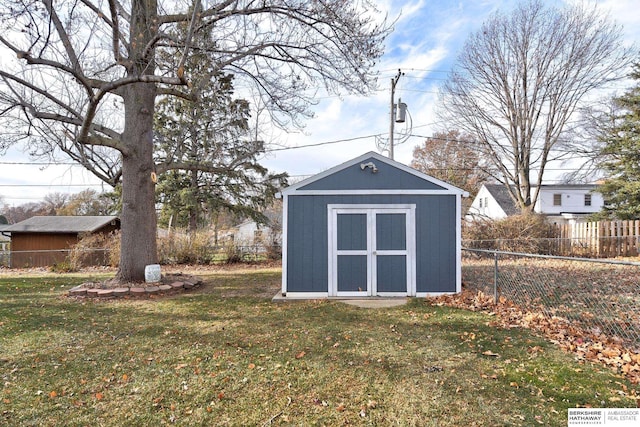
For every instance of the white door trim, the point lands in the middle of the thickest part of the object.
(371, 210)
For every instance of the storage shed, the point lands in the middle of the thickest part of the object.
(45, 240)
(371, 227)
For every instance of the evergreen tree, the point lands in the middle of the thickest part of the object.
(89, 74)
(211, 127)
(621, 153)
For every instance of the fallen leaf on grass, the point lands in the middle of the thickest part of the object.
(53, 394)
(99, 396)
(586, 344)
(535, 349)
(491, 353)
(300, 355)
(340, 408)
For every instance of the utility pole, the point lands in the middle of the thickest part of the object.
(394, 81)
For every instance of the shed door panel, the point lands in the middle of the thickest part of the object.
(391, 231)
(391, 273)
(391, 252)
(352, 232)
(352, 273)
(372, 251)
(352, 252)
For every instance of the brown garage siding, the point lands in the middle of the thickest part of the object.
(39, 249)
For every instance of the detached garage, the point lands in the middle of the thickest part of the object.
(41, 241)
(371, 227)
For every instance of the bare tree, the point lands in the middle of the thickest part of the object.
(88, 202)
(452, 157)
(89, 72)
(15, 214)
(53, 202)
(520, 80)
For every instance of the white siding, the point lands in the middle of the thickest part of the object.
(485, 206)
(573, 200)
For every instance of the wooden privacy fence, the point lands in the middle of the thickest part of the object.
(604, 239)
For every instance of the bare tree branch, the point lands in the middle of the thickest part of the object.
(522, 78)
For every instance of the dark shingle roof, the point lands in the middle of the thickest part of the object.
(501, 194)
(61, 224)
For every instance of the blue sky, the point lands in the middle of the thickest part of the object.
(424, 45)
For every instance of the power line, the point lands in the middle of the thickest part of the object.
(51, 185)
(322, 143)
(41, 164)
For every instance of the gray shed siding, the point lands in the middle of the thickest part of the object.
(387, 178)
(307, 249)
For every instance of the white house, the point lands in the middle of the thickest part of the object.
(250, 233)
(565, 203)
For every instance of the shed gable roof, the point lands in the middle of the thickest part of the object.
(61, 224)
(358, 175)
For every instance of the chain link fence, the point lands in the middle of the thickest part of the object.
(101, 256)
(597, 296)
(592, 247)
(5, 258)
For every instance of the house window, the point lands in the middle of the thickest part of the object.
(480, 202)
(486, 202)
(587, 199)
(557, 200)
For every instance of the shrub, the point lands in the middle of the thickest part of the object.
(185, 248)
(95, 249)
(232, 253)
(272, 246)
(528, 233)
(62, 267)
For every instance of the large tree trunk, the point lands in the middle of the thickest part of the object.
(138, 246)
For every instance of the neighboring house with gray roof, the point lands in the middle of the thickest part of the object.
(45, 240)
(564, 203)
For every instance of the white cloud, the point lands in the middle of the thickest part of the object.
(428, 36)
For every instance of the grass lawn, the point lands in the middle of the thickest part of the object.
(226, 355)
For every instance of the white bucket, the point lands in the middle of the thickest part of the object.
(152, 273)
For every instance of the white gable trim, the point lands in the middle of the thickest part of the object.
(447, 188)
(368, 192)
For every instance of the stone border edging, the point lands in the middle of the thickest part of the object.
(135, 292)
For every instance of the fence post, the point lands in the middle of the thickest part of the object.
(495, 277)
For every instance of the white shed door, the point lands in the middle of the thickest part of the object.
(371, 251)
